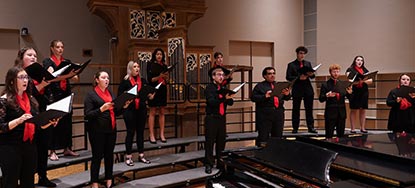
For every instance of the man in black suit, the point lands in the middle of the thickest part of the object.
(333, 93)
(302, 89)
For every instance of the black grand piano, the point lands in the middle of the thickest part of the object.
(376, 160)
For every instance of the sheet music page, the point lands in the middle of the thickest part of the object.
(60, 71)
(317, 66)
(133, 90)
(63, 105)
(239, 87)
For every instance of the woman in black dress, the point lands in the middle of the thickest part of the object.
(17, 140)
(101, 126)
(155, 75)
(401, 115)
(136, 115)
(360, 100)
(61, 137)
(25, 57)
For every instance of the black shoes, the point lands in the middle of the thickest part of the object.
(143, 160)
(294, 131)
(312, 130)
(45, 182)
(208, 169)
(152, 142)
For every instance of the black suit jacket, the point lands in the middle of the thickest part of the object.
(300, 87)
(334, 108)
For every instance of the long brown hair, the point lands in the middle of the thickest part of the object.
(20, 54)
(10, 89)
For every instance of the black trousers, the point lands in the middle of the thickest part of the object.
(338, 123)
(135, 122)
(308, 105)
(18, 162)
(102, 146)
(42, 142)
(215, 134)
(272, 124)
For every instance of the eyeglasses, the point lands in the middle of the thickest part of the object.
(270, 73)
(219, 74)
(22, 77)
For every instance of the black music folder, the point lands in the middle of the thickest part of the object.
(341, 86)
(404, 91)
(279, 86)
(157, 68)
(145, 90)
(306, 69)
(73, 66)
(131, 94)
(53, 111)
(37, 72)
(224, 91)
(356, 77)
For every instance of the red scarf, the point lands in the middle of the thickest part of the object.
(29, 129)
(276, 102)
(360, 71)
(42, 91)
(106, 97)
(405, 104)
(57, 61)
(221, 105)
(138, 83)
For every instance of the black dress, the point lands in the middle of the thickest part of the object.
(160, 98)
(400, 120)
(61, 136)
(360, 97)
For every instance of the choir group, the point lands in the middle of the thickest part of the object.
(27, 144)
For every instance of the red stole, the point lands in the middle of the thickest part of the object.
(106, 97)
(133, 83)
(57, 61)
(276, 102)
(360, 71)
(29, 129)
(35, 83)
(405, 104)
(221, 105)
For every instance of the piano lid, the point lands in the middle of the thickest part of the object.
(301, 159)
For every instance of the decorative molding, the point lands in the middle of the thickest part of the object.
(204, 60)
(144, 56)
(168, 20)
(137, 24)
(153, 22)
(191, 62)
(173, 43)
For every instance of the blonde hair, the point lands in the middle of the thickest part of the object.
(130, 66)
(334, 67)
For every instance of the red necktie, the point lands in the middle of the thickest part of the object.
(337, 94)
(276, 102)
(221, 105)
(301, 64)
